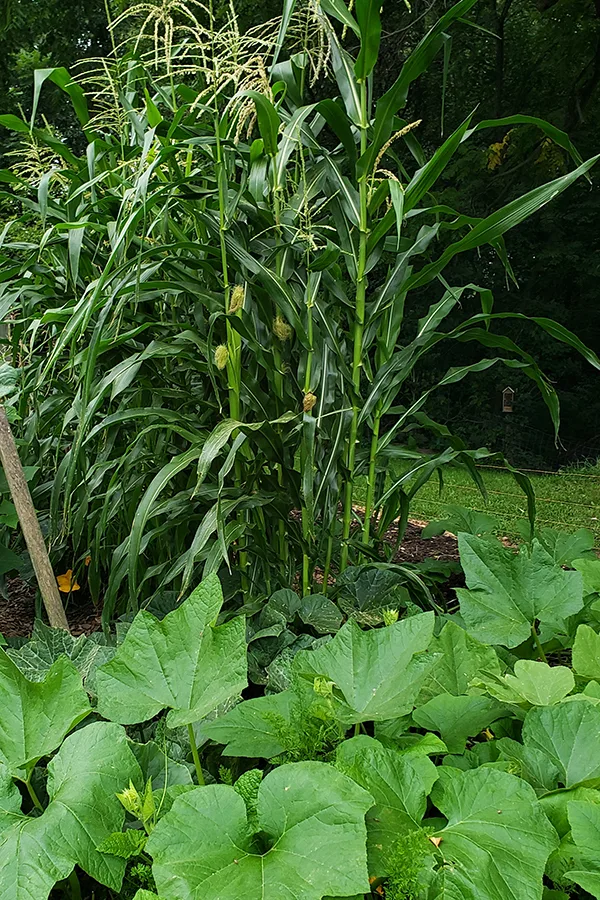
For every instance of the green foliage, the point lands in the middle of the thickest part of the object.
(296, 724)
(310, 733)
(563, 733)
(584, 819)
(535, 683)
(259, 727)
(377, 674)
(509, 793)
(47, 645)
(406, 862)
(247, 786)
(83, 811)
(201, 665)
(9, 378)
(590, 570)
(297, 249)
(586, 653)
(363, 592)
(566, 548)
(158, 768)
(507, 592)
(459, 520)
(37, 715)
(399, 785)
(224, 326)
(458, 718)
(461, 660)
(496, 840)
(279, 630)
(304, 809)
(124, 844)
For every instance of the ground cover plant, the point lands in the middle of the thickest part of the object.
(434, 754)
(210, 329)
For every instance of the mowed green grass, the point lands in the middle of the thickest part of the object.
(564, 501)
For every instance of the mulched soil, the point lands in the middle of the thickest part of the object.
(414, 549)
(17, 610)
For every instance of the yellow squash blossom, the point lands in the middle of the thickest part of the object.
(66, 582)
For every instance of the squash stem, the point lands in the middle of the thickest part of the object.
(34, 797)
(540, 649)
(74, 886)
(195, 755)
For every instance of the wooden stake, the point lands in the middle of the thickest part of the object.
(19, 489)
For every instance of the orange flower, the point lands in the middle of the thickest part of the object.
(87, 560)
(66, 582)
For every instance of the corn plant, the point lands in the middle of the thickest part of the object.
(211, 327)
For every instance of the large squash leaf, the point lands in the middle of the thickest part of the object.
(10, 799)
(590, 571)
(497, 839)
(540, 684)
(36, 716)
(462, 660)
(459, 520)
(567, 733)
(309, 840)
(584, 819)
(30, 861)
(84, 777)
(156, 764)
(458, 718)
(255, 727)
(377, 674)
(399, 783)
(532, 765)
(363, 592)
(183, 663)
(47, 644)
(586, 652)
(507, 592)
(556, 807)
(565, 547)
(533, 682)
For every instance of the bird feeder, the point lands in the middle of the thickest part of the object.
(508, 399)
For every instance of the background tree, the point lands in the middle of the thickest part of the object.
(541, 59)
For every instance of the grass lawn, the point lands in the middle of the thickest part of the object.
(564, 501)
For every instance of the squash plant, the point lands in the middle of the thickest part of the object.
(412, 758)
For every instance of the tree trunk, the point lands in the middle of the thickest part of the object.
(583, 91)
(30, 526)
(500, 12)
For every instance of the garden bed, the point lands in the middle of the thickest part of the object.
(17, 609)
